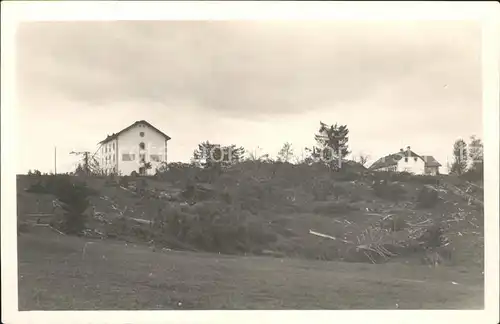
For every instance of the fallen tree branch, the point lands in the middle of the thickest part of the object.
(468, 197)
(329, 237)
(126, 189)
(52, 228)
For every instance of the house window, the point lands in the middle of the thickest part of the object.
(141, 134)
(113, 146)
(155, 157)
(415, 159)
(406, 159)
(142, 146)
(142, 158)
(128, 157)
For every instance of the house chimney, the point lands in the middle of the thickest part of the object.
(400, 150)
(408, 148)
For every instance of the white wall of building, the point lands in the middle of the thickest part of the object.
(128, 145)
(432, 171)
(411, 164)
(108, 154)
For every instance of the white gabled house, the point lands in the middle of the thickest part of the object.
(132, 148)
(407, 161)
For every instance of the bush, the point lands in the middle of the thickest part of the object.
(333, 208)
(427, 197)
(473, 175)
(405, 177)
(212, 226)
(390, 191)
(321, 190)
(426, 179)
(343, 175)
(432, 237)
(124, 181)
(35, 172)
(74, 199)
(38, 188)
(394, 224)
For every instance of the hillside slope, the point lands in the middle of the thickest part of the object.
(297, 211)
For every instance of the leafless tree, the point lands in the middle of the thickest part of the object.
(362, 159)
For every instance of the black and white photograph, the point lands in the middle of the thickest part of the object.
(250, 164)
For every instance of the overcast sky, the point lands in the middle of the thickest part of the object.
(254, 84)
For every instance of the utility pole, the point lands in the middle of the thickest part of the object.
(55, 159)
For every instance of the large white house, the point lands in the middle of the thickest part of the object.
(132, 148)
(407, 161)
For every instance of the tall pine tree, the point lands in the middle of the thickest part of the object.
(209, 155)
(332, 141)
(459, 165)
(476, 154)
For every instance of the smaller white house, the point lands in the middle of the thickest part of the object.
(140, 147)
(407, 161)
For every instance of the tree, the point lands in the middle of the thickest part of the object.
(286, 153)
(34, 173)
(209, 155)
(79, 170)
(362, 159)
(145, 166)
(476, 154)
(332, 144)
(459, 164)
(257, 156)
(74, 199)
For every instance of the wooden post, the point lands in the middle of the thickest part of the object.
(55, 160)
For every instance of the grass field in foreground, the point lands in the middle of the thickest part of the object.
(67, 273)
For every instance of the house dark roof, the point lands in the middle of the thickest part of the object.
(392, 159)
(115, 135)
(430, 161)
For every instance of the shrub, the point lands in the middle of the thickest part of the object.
(473, 175)
(215, 227)
(34, 173)
(333, 208)
(343, 175)
(124, 181)
(394, 224)
(427, 197)
(321, 189)
(389, 191)
(432, 237)
(74, 199)
(38, 188)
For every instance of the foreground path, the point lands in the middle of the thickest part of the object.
(61, 273)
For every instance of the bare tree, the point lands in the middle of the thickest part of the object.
(362, 159)
(286, 153)
(257, 156)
